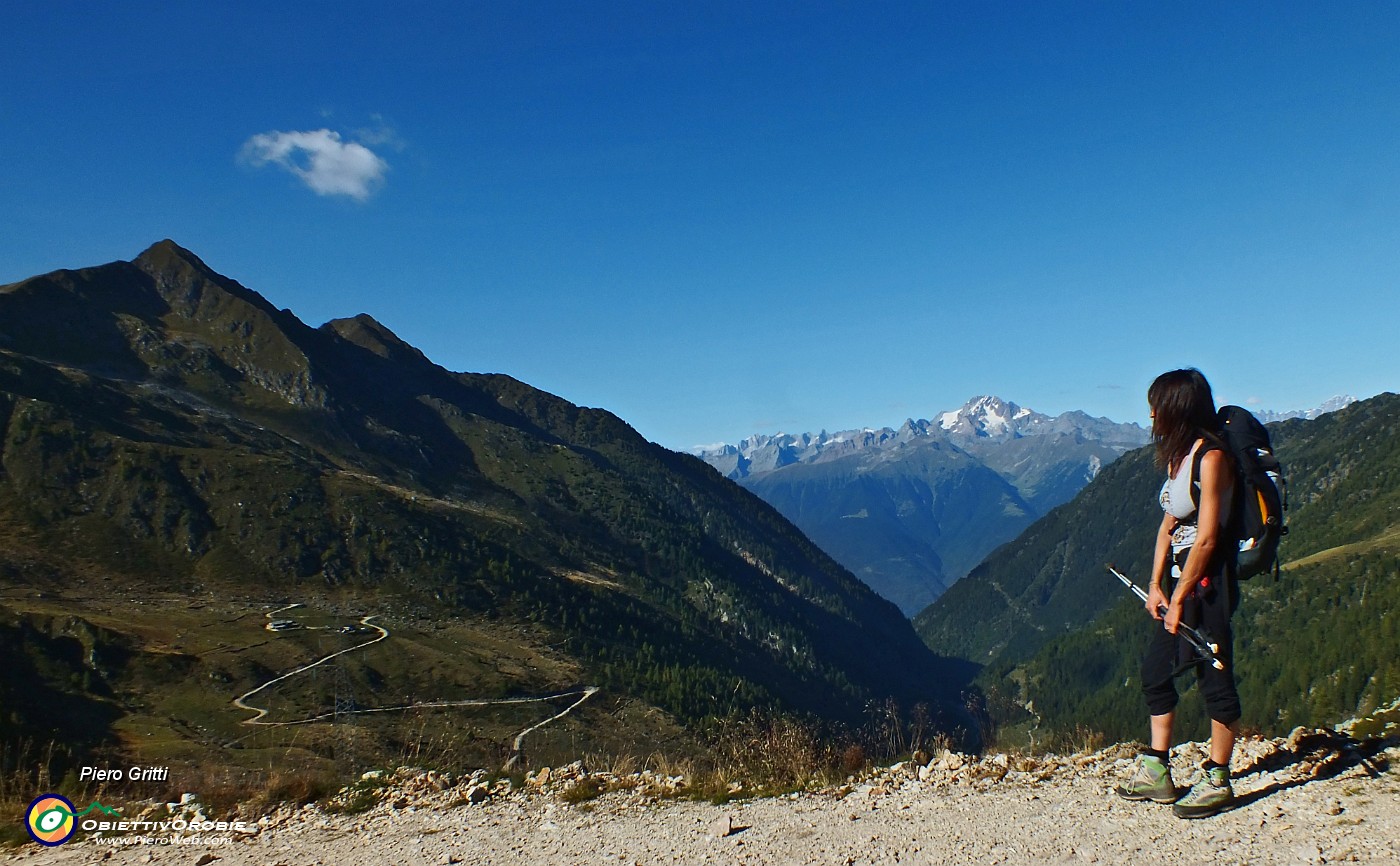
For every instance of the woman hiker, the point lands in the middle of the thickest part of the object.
(1191, 578)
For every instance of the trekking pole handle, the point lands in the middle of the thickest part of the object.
(1194, 637)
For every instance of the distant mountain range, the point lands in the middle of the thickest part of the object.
(984, 420)
(176, 454)
(910, 511)
(1336, 403)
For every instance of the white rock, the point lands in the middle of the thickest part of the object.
(722, 826)
(477, 794)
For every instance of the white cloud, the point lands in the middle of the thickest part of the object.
(325, 163)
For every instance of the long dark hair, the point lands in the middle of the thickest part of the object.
(1183, 410)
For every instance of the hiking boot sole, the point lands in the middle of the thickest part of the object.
(1129, 795)
(1202, 811)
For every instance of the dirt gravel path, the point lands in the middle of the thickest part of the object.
(1304, 801)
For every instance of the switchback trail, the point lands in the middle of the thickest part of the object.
(583, 693)
(261, 713)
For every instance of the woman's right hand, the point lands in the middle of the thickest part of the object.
(1156, 600)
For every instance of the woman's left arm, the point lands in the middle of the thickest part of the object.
(1216, 483)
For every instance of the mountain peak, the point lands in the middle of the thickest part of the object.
(370, 334)
(211, 316)
(170, 263)
(990, 417)
(167, 249)
(193, 289)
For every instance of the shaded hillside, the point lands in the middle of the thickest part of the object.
(905, 523)
(168, 431)
(1056, 632)
(1051, 579)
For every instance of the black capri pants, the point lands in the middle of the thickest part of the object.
(1207, 609)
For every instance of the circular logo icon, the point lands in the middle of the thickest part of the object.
(50, 820)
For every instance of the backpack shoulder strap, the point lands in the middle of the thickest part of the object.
(1206, 445)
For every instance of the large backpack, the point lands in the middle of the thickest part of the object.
(1261, 493)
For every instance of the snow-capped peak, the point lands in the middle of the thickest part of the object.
(1338, 402)
(990, 417)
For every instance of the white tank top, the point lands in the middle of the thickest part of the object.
(1176, 492)
(1177, 500)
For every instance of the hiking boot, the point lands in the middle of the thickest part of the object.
(1208, 796)
(1152, 780)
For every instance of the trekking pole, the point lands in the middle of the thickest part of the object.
(1204, 648)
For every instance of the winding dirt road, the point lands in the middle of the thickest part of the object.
(260, 713)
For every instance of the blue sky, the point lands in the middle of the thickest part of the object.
(716, 219)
